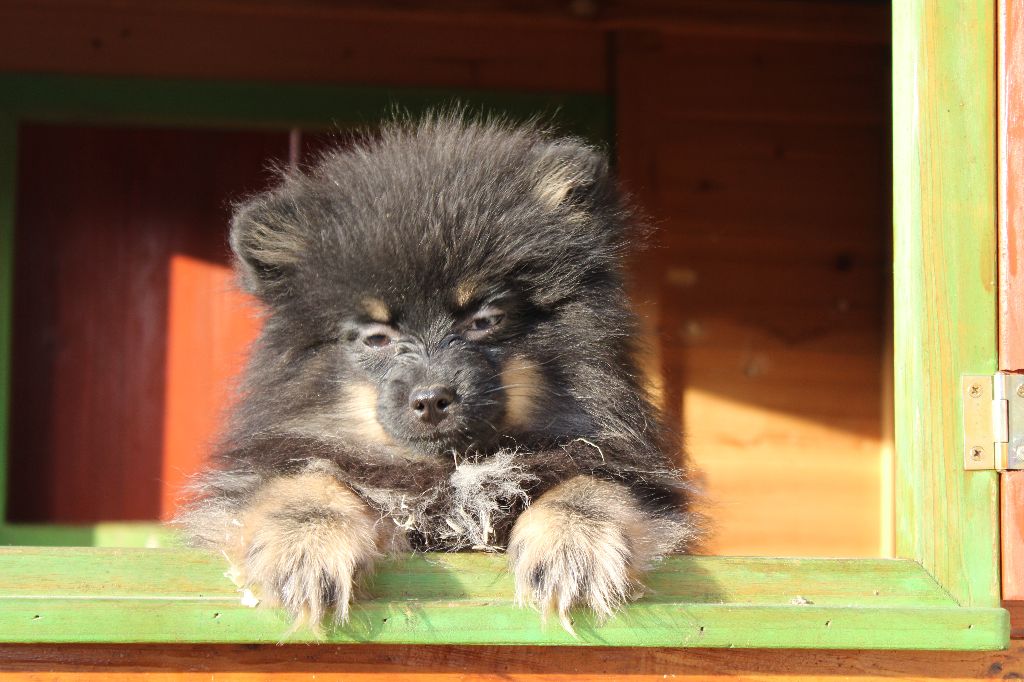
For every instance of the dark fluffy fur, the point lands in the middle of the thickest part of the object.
(484, 257)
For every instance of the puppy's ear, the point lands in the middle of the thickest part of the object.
(269, 242)
(572, 175)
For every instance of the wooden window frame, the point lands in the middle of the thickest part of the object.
(941, 592)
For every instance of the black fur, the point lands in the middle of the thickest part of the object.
(444, 222)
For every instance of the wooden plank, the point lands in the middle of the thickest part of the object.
(806, 20)
(8, 165)
(371, 662)
(276, 43)
(94, 595)
(526, 45)
(1011, 268)
(1016, 609)
(1011, 186)
(1011, 520)
(184, 574)
(744, 80)
(764, 173)
(944, 253)
(132, 534)
(646, 623)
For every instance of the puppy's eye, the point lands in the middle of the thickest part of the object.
(377, 340)
(377, 336)
(484, 322)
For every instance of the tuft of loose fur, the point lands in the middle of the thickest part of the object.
(480, 494)
(447, 362)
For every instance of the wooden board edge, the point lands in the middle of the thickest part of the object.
(347, 663)
(41, 620)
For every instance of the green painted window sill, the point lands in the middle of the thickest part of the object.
(93, 594)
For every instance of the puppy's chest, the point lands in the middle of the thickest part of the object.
(473, 507)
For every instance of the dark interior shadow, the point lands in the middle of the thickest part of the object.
(101, 213)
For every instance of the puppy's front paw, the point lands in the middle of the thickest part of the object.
(308, 540)
(583, 543)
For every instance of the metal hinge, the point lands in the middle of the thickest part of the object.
(993, 421)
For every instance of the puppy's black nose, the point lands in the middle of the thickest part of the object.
(431, 404)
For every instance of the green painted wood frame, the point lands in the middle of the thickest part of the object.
(941, 592)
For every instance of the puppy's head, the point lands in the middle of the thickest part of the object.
(447, 285)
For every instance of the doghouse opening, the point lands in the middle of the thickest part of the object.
(763, 159)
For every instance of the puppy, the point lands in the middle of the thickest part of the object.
(446, 363)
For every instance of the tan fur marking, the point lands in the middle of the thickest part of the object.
(355, 416)
(275, 244)
(360, 412)
(555, 185)
(562, 556)
(316, 487)
(300, 531)
(522, 382)
(464, 293)
(377, 310)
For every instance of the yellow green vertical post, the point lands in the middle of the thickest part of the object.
(944, 172)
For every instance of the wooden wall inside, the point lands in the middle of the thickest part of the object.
(755, 137)
(127, 329)
(764, 159)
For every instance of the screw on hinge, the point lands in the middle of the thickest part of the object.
(976, 453)
(1020, 390)
(975, 391)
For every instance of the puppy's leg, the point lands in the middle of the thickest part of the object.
(585, 542)
(303, 541)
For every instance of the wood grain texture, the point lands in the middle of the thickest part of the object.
(1016, 610)
(1011, 267)
(457, 43)
(368, 662)
(98, 432)
(765, 174)
(944, 303)
(276, 42)
(1011, 185)
(138, 573)
(795, 20)
(644, 624)
(94, 595)
(1011, 528)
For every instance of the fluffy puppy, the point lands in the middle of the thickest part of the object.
(446, 362)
